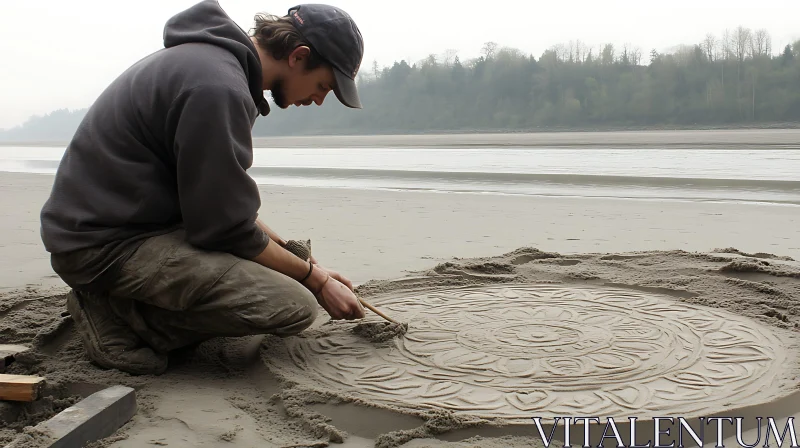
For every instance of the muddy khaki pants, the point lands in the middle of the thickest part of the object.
(173, 294)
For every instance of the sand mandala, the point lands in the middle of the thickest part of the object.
(512, 352)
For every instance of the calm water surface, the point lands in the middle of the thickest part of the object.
(766, 176)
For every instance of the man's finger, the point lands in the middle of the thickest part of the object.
(358, 310)
(355, 314)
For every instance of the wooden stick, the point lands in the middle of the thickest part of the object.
(20, 387)
(376, 311)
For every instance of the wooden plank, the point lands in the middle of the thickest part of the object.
(95, 417)
(20, 387)
(7, 353)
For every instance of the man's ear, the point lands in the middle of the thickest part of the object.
(298, 54)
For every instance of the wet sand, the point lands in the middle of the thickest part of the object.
(710, 138)
(383, 234)
(224, 394)
(723, 139)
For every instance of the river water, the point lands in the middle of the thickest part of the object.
(756, 176)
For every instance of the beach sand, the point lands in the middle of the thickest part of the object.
(234, 392)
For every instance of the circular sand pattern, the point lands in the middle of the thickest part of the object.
(513, 352)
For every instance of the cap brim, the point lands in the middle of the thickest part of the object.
(346, 90)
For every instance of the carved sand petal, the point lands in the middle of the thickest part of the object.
(613, 361)
(518, 367)
(441, 389)
(461, 358)
(430, 348)
(563, 366)
(529, 401)
(520, 315)
(425, 336)
(381, 373)
(632, 397)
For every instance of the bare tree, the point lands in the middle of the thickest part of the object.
(428, 61)
(636, 55)
(725, 54)
(571, 51)
(580, 51)
(449, 55)
(684, 54)
(710, 46)
(607, 54)
(489, 49)
(625, 58)
(760, 43)
(375, 70)
(561, 52)
(510, 53)
(741, 42)
(727, 44)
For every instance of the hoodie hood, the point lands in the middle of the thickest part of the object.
(207, 22)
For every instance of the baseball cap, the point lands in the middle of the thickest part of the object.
(335, 36)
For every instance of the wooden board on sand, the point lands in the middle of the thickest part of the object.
(20, 387)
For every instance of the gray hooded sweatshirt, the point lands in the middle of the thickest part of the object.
(167, 146)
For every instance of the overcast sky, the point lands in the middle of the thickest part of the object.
(62, 54)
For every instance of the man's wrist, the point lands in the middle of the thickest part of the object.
(308, 274)
(316, 280)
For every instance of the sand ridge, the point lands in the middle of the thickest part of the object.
(507, 352)
(764, 289)
(743, 306)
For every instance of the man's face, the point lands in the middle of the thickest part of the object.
(302, 87)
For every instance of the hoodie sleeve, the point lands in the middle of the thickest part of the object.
(213, 149)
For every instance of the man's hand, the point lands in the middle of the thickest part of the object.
(337, 276)
(339, 301)
(336, 297)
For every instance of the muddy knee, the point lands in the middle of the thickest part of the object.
(301, 311)
(253, 299)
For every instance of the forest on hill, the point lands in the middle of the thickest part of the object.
(734, 79)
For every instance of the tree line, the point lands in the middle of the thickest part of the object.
(733, 79)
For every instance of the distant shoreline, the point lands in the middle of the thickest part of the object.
(741, 138)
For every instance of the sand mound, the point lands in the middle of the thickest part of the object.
(489, 340)
(380, 331)
(535, 333)
(509, 352)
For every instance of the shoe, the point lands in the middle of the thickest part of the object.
(108, 340)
